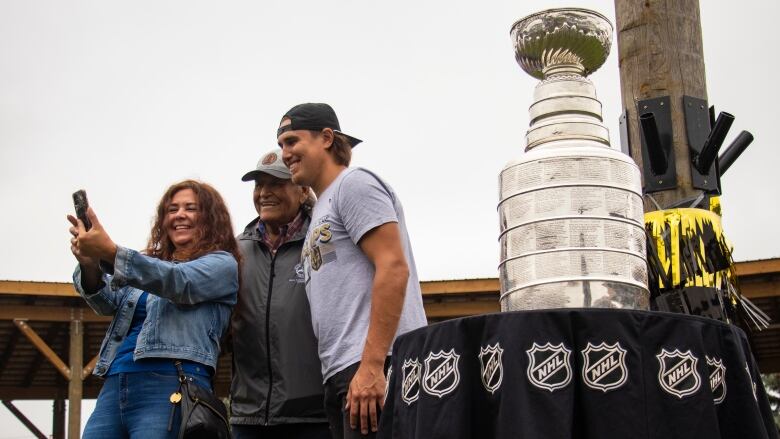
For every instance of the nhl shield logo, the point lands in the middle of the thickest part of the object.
(441, 373)
(605, 366)
(492, 367)
(678, 375)
(410, 384)
(548, 366)
(717, 373)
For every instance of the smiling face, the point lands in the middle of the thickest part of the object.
(277, 200)
(306, 154)
(181, 219)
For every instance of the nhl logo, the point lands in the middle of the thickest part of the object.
(677, 374)
(410, 385)
(717, 373)
(492, 367)
(605, 366)
(548, 366)
(441, 373)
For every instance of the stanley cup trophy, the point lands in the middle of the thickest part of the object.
(570, 209)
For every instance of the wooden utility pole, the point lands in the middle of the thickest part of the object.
(675, 139)
(660, 53)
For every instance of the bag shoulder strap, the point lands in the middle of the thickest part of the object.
(179, 370)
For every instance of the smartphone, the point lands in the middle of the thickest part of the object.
(80, 203)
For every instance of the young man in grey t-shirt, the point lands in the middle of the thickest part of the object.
(360, 274)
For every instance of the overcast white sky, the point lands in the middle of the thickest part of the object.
(124, 98)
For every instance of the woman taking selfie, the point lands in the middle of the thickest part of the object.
(171, 304)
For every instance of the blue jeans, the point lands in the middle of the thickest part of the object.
(137, 406)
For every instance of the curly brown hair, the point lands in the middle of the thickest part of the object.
(215, 231)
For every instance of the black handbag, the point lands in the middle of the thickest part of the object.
(203, 415)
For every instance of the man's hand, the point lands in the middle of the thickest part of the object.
(366, 394)
(366, 397)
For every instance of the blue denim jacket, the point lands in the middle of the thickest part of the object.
(188, 308)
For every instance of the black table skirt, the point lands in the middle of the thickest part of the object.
(576, 373)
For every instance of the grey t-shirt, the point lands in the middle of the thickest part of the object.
(338, 274)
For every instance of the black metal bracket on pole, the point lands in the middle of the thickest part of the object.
(655, 129)
(732, 153)
(705, 137)
(625, 141)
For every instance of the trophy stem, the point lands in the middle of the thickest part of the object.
(565, 107)
(563, 70)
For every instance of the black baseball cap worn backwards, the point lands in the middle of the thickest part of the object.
(315, 117)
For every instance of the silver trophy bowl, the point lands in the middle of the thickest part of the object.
(570, 208)
(562, 40)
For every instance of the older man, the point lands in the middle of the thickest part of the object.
(277, 385)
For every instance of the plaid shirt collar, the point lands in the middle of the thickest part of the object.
(286, 232)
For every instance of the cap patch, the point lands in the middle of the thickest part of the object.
(269, 158)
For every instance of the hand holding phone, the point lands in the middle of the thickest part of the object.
(81, 204)
(96, 244)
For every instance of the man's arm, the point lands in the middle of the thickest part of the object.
(382, 246)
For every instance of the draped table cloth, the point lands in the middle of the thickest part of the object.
(576, 373)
